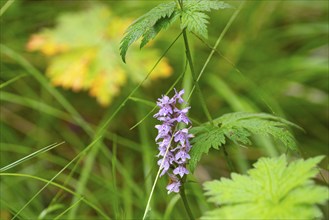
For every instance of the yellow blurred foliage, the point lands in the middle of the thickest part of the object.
(83, 52)
(45, 44)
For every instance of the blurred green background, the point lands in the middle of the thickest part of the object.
(274, 59)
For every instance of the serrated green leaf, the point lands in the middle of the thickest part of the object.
(205, 5)
(237, 134)
(162, 23)
(144, 26)
(230, 212)
(193, 18)
(271, 190)
(210, 136)
(238, 127)
(232, 117)
(195, 22)
(163, 15)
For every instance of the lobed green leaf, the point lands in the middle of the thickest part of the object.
(210, 137)
(194, 20)
(238, 127)
(163, 15)
(144, 26)
(205, 5)
(162, 23)
(271, 190)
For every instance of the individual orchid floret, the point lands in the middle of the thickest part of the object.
(182, 156)
(174, 184)
(173, 187)
(180, 115)
(178, 96)
(173, 143)
(180, 170)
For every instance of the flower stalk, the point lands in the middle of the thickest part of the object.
(173, 144)
(186, 205)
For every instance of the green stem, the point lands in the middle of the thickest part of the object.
(155, 106)
(221, 36)
(6, 6)
(203, 104)
(183, 195)
(190, 61)
(228, 160)
(156, 178)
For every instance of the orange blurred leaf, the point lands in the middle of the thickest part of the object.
(83, 51)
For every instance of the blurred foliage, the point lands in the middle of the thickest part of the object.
(273, 59)
(83, 51)
(281, 53)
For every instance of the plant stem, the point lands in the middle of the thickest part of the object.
(183, 195)
(156, 178)
(228, 160)
(190, 61)
(6, 6)
(221, 36)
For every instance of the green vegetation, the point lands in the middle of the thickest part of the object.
(272, 190)
(77, 132)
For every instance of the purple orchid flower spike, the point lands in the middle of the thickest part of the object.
(174, 144)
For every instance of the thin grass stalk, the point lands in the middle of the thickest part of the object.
(156, 178)
(145, 150)
(139, 85)
(114, 176)
(167, 92)
(66, 210)
(52, 183)
(221, 36)
(32, 155)
(5, 7)
(44, 82)
(102, 129)
(54, 177)
(8, 82)
(191, 65)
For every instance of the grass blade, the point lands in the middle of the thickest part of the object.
(30, 156)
